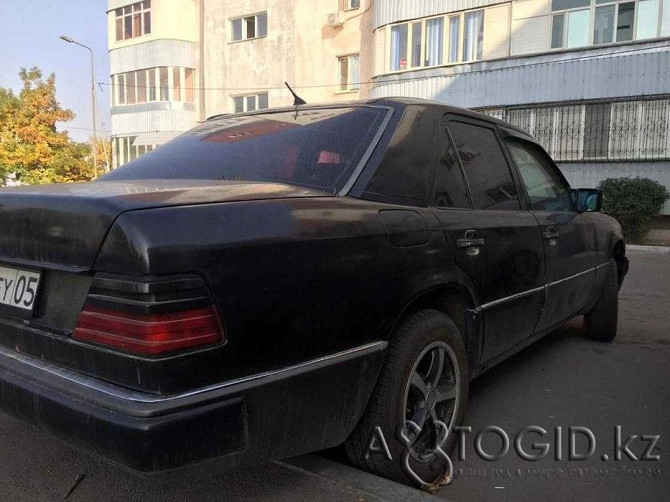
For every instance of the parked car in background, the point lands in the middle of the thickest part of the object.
(273, 283)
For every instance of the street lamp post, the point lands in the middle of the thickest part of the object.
(93, 143)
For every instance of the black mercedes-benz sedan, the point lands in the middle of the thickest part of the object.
(284, 281)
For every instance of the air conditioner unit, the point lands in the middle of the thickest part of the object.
(335, 19)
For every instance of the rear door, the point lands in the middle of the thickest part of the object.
(497, 243)
(569, 236)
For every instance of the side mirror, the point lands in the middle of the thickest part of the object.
(587, 200)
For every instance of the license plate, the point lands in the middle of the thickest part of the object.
(18, 288)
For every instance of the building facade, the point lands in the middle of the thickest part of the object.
(154, 65)
(251, 47)
(176, 62)
(590, 79)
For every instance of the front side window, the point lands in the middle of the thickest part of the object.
(248, 27)
(133, 20)
(349, 72)
(485, 166)
(318, 148)
(546, 189)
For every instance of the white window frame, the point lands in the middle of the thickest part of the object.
(121, 144)
(120, 14)
(592, 19)
(445, 41)
(244, 26)
(244, 97)
(350, 86)
(346, 5)
(156, 72)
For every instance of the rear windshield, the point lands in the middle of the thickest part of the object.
(316, 148)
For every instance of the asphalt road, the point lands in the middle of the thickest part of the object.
(566, 380)
(563, 380)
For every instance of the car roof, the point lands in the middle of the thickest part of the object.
(390, 101)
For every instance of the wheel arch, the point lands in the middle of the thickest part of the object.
(455, 300)
(619, 255)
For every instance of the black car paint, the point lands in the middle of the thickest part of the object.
(298, 275)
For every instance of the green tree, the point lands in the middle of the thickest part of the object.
(30, 145)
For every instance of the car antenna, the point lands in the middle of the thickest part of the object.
(297, 100)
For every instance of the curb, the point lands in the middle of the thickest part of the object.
(648, 249)
(354, 478)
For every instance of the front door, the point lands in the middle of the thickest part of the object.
(569, 236)
(505, 258)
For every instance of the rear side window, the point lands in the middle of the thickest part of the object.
(450, 189)
(485, 166)
(404, 173)
(546, 189)
(316, 148)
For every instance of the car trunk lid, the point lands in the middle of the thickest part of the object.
(64, 226)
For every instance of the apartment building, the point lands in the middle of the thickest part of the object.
(589, 78)
(154, 64)
(175, 62)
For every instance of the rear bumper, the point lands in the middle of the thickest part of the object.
(262, 417)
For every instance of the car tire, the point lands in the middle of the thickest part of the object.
(420, 342)
(601, 322)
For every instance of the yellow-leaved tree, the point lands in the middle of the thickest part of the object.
(32, 150)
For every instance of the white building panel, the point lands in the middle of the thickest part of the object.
(391, 11)
(172, 120)
(665, 19)
(596, 73)
(153, 54)
(496, 31)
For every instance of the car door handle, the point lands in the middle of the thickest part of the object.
(551, 233)
(471, 239)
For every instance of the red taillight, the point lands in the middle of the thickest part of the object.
(149, 333)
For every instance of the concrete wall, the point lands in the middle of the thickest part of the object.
(300, 48)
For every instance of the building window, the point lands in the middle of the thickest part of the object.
(454, 38)
(250, 102)
(597, 131)
(245, 28)
(425, 41)
(399, 47)
(133, 20)
(153, 84)
(349, 72)
(434, 41)
(350, 4)
(417, 32)
(124, 150)
(612, 22)
(473, 38)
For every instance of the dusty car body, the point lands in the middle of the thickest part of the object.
(233, 296)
